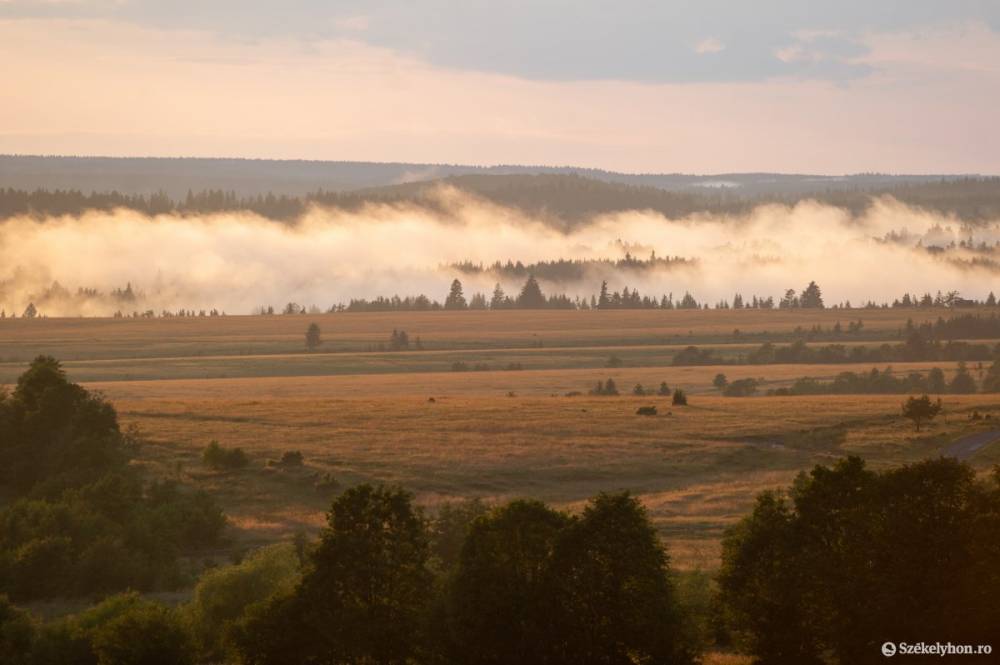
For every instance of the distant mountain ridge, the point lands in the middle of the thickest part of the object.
(252, 177)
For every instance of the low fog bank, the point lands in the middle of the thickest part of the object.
(238, 262)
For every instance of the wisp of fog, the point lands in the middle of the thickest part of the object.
(237, 262)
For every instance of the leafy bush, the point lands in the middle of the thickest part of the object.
(81, 520)
(69, 640)
(679, 398)
(291, 458)
(17, 634)
(605, 388)
(741, 388)
(218, 457)
(223, 595)
(145, 634)
(646, 411)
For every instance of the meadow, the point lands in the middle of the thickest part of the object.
(359, 415)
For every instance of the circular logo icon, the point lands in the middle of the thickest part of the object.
(888, 649)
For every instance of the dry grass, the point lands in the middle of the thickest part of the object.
(697, 468)
(366, 416)
(236, 335)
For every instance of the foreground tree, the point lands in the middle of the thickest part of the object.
(17, 633)
(610, 581)
(54, 432)
(536, 586)
(501, 605)
(849, 557)
(362, 599)
(147, 634)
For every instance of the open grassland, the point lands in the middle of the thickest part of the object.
(273, 346)
(82, 339)
(697, 468)
(359, 415)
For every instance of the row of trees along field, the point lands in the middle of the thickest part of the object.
(562, 200)
(874, 382)
(817, 573)
(530, 296)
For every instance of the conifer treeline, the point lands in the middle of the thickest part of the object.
(564, 199)
(530, 296)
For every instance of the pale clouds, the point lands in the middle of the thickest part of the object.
(709, 45)
(105, 87)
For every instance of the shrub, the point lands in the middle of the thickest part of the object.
(679, 398)
(638, 390)
(741, 388)
(605, 388)
(326, 483)
(218, 457)
(646, 411)
(146, 634)
(614, 361)
(223, 595)
(664, 389)
(90, 525)
(692, 355)
(291, 458)
(17, 634)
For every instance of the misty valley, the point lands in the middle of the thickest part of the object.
(527, 433)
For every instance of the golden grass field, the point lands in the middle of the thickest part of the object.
(366, 416)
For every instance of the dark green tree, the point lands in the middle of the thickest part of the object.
(17, 634)
(811, 297)
(610, 582)
(531, 296)
(720, 381)
(313, 337)
(499, 300)
(935, 381)
(54, 431)
(991, 382)
(501, 603)
(449, 529)
(364, 595)
(146, 634)
(855, 556)
(603, 300)
(962, 383)
(920, 409)
(455, 299)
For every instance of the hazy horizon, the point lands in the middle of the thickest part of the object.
(824, 88)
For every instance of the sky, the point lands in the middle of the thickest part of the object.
(797, 86)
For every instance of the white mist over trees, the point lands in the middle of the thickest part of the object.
(236, 262)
